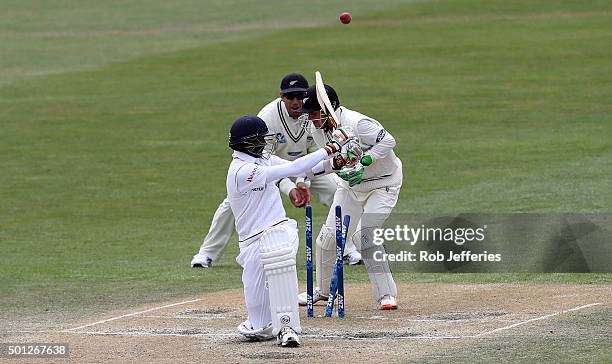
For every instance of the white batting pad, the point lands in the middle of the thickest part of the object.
(278, 258)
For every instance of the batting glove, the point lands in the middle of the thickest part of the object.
(332, 148)
(341, 136)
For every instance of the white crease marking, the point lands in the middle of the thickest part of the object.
(132, 314)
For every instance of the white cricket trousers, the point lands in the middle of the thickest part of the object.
(256, 295)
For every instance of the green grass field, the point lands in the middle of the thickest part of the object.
(115, 116)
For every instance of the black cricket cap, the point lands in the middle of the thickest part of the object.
(293, 82)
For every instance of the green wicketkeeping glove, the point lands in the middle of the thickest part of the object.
(352, 175)
(367, 160)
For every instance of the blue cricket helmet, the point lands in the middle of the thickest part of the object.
(249, 134)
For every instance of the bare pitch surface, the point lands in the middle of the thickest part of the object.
(434, 320)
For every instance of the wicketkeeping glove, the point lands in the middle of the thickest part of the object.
(354, 175)
(366, 160)
(352, 152)
(348, 156)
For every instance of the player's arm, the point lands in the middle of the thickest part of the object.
(303, 184)
(295, 188)
(382, 141)
(322, 168)
(267, 114)
(288, 186)
(285, 185)
(310, 163)
(254, 177)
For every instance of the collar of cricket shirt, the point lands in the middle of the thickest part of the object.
(250, 159)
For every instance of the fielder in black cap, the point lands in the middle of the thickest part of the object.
(292, 90)
(293, 82)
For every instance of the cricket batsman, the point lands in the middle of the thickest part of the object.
(268, 240)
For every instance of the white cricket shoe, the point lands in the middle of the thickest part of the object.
(288, 338)
(353, 257)
(316, 296)
(388, 303)
(201, 261)
(262, 334)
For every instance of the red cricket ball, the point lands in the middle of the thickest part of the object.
(345, 18)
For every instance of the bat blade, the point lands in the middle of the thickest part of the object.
(323, 98)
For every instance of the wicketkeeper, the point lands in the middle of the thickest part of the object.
(368, 191)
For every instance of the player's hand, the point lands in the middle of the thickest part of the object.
(341, 136)
(353, 175)
(366, 160)
(296, 198)
(350, 155)
(332, 148)
(304, 191)
(352, 152)
(338, 161)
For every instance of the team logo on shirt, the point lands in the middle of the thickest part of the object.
(280, 138)
(295, 154)
(381, 135)
(250, 178)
